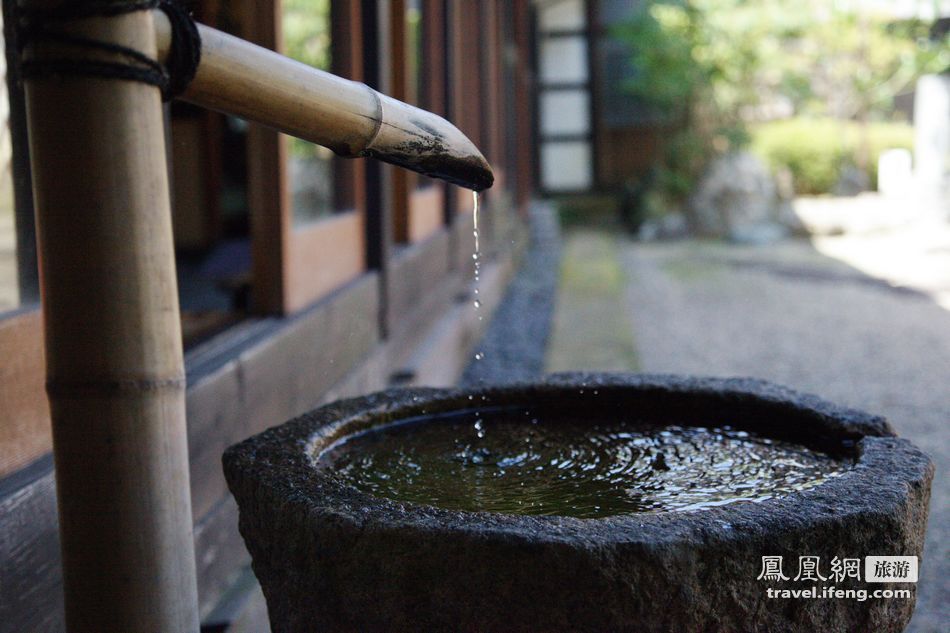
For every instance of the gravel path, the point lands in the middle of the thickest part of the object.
(788, 314)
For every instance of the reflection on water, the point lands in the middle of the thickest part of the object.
(520, 464)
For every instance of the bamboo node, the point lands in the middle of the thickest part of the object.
(112, 386)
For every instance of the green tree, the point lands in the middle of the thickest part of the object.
(706, 65)
(306, 26)
(860, 61)
(712, 67)
(306, 31)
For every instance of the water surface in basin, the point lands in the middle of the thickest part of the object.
(518, 464)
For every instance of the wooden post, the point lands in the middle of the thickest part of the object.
(114, 351)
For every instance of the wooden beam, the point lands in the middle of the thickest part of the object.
(268, 193)
(398, 89)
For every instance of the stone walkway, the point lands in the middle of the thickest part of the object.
(591, 328)
(860, 327)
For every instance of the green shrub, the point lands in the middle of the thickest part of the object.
(816, 150)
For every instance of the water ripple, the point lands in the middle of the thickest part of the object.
(572, 468)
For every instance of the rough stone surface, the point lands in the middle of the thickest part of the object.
(737, 199)
(332, 558)
(671, 226)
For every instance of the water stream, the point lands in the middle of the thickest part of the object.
(477, 256)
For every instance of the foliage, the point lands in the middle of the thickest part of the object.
(712, 68)
(857, 62)
(306, 31)
(815, 150)
(306, 27)
(702, 64)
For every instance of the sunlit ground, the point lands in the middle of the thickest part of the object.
(903, 241)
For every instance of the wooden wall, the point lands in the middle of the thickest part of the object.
(626, 153)
(339, 322)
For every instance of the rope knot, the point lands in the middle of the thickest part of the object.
(125, 63)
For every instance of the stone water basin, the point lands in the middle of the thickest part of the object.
(587, 502)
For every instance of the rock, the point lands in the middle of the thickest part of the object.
(790, 219)
(673, 225)
(851, 182)
(736, 198)
(785, 184)
(758, 234)
(330, 557)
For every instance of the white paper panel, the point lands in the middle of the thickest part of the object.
(565, 165)
(564, 59)
(557, 15)
(565, 112)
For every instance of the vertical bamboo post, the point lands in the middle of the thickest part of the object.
(114, 351)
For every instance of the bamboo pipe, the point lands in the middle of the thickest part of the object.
(115, 374)
(352, 119)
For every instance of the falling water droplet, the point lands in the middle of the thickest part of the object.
(475, 221)
(476, 257)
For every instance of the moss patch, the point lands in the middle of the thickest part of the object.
(589, 211)
(592, 330)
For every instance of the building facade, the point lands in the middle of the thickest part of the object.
(591, 134)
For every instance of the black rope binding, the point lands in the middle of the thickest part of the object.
(172, 78)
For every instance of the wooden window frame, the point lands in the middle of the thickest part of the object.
(524, 42)
(588, 34)
(464, 40)
(418, 202)
(25, 433)
(295, 266)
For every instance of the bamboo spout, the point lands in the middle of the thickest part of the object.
(352, 119)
